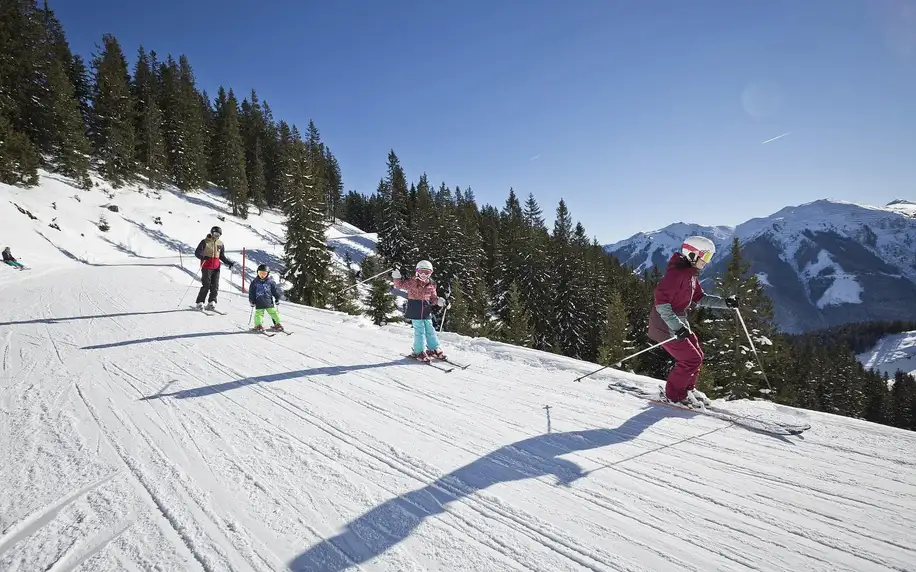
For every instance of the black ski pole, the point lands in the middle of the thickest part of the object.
(629, 357)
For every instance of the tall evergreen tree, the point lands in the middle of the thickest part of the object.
(150, 143)
(307, 254)
(113, 113)
(230, 150)
(517, 327)
(394, 242)
(569, 329)
(732, 368)
(69, 146)
(335, 183)
(380, 304)
(615, 341)
(255, 133)
(903, 398)
(184, 126)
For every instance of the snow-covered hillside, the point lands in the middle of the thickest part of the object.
(824, 263)
(892, 352)
(56, 223)
(138, 435)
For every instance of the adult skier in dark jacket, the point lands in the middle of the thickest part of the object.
(264, 294)
(211, 252)
(10, 260)
(678, 292)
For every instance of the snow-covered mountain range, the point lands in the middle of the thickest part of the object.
(823, 263)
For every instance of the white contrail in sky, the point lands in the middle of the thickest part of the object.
(535, 157)
(775, 138)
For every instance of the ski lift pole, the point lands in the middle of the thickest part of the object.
(753, 349)
(442, 323)
(629, 357)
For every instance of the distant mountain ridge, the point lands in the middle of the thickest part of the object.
(824, 263)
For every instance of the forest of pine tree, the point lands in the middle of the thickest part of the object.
(506, 274)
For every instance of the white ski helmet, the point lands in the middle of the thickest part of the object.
(425, 265)
(697, 248)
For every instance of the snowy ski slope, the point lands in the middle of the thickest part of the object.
(892, 352)
(138, 435)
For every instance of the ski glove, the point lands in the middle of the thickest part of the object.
(682, 333)
(440, 302)
(395, 274)
(732, 301)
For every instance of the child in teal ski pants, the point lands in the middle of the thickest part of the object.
(423, 331)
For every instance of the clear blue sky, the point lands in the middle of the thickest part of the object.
(639, 113)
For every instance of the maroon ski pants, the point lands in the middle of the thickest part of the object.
(689, 357)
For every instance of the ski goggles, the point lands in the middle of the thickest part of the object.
(424, 272)
(705, 256)
(263, 273)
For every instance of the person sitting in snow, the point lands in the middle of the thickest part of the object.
(10, 260)
(676, 294)
(264, 294)
(211, 252)
(421, 297)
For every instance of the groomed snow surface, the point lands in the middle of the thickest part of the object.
(139, 435)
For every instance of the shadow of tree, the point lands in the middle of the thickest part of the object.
(393, 521)
(159, 339)
(239, 383)
(92, 317)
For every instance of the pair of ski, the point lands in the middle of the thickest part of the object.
(209, 312)
(430, 362)
(770, 426)
(268, 333)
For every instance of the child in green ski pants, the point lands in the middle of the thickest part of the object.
(264, 294)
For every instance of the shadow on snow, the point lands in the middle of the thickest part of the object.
(239, 383)
(393, 521)
(159, 339)
(90, 317)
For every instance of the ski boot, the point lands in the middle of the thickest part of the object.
(699, 396)
(259, 329)
(277, 327)
(690, 401)
(211, 306)
(421, 357)
(199, 306)
(436, 353)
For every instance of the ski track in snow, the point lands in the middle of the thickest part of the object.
(166, 438)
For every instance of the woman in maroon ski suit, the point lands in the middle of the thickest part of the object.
(679, 292)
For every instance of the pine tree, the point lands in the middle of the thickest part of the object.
(307, 254)
(731, 369)
(380, 304)
(184, 126)
(150, 143)
(903, 397)
(335, 184)
(19, 41)
(69, 146)
(113, 114)
(23, 61)
(458, 317)
(19, 159)
(517, 327)
(569, 329)
(394, 242)
(615, 341)
(339, 297)
(229, 150)
(255, 133)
